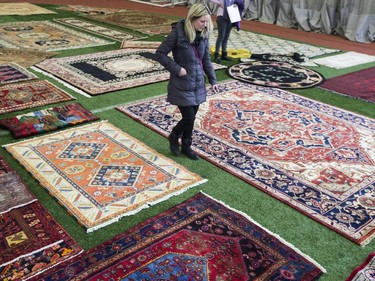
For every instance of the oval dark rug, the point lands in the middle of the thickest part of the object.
(275, 74)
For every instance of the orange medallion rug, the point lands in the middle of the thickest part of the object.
(100, 174)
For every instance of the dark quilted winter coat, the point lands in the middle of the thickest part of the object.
(190, 89)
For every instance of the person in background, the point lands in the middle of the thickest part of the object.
(189, 43)
(224, 27)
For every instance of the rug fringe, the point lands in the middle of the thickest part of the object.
(268, 231)
(61, 81)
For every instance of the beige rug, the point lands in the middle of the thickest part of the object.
(25, 58)
(22, 9)
(45, 36)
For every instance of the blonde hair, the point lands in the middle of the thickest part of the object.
(195, 12)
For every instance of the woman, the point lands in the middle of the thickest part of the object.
(224, 27)
(188, 42)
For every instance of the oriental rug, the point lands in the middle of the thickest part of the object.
(30, 94)
(46, 120)
(359, 84)
(13, 192)
(24, 58)
(199, 239)
(90, 10)
(364, 272)
(161, 3)
(100, 173)
(86, 26)
(135, 19)
(314, 157)
(32, 242)
(109, 71)
(45, 36)
(275, 74)
(264, 44)
(22, 9)
(345, 60)
(12, 73)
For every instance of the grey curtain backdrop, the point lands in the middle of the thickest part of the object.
(352, 19)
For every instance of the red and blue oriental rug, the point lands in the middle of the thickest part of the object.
(200, 239)
(101, 174)
(314, 157)
(31, 242)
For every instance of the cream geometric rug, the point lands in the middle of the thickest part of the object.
(348, 59)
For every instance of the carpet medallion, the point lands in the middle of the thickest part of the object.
(364, 272)
(31, 242)
(317, 158)
(275, 74)
(200, 239)
(46, 120)
(30, 94)
(100, 173)
(45, 36)
(12, 73)
(359, 84)
(103, 72)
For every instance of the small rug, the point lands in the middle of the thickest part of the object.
(344, 60)
(13, 192)
(30, 94)
(22, 9)
(45, 36)
(47, 120)
(359, 84)
(125, 176)
(314, 157)
(275, 74)
(156, 30)
(365, 272)
(199, 239)
(12, 73)
(264, 44)
(90, 10)
(135, 19)
(140, 44)
(32, 242)
(109, 71)
(161, 3)
(99, 30)
(24, 58)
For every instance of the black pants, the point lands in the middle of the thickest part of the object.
(224, 27)
(185, 126)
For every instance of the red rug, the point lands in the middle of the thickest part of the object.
(20, 96)
(200, 239)
(364, 272)
(32, 241)
(47, 120)
(359, 84)
(316, 158)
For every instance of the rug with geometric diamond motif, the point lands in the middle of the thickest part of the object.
(199, 239)
(101, 174)
(314, 157)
